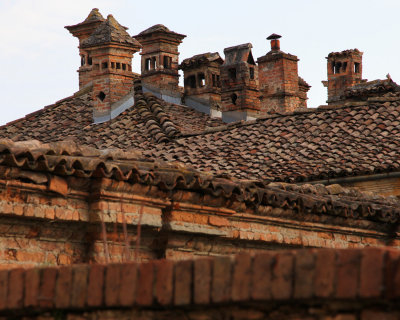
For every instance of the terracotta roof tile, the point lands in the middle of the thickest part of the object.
(70, 159)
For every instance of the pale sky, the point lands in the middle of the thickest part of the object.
(39, 58)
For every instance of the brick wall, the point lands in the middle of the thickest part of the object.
(300, 284)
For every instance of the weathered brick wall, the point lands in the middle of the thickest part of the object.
(301, 284)
(279, 83)
(62, 224)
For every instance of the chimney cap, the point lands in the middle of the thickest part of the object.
(274, 36)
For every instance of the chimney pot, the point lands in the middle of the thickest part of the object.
(275, 44)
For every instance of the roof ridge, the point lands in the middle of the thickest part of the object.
(158, 122)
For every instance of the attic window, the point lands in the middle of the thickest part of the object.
(118, 65)
(101, 95)
(89, 61)
(251, 73)
(356, 67)
(104, 65)
(191, 81)
(214, 80)
(344, 67)
(232, 73)
(167, 62)
(113, 65)
(234, 98)
(201, 79)
(338, 65)
(123, 66)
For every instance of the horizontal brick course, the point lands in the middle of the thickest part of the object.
(308, 275)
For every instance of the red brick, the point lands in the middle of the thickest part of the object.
(379, 315)
(144, 293)
(3, 288)
(371, 276)
(347, 273)
(261, 276)
(202, 281)
(95, 285)
(392, 274)
(127, 292)
(32, 281)
(112, 284)
(241, 280)
(221, 280)
(63, 287)
(15, 289)
(282, 276)
(79, 286)
(183, 282)
(164, 281)
(324, 280)
(47, 287)
(304, 274)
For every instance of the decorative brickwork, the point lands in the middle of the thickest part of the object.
(299, 284)
(111, 49)
(160, 56)
(344, 71)
(280, 86)
(239, 81)
(83, 31)
(202, 77)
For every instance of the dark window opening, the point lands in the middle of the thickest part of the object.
(191, 81)
(344, 67)
(167, 62)
(83, 60)
(153, 63)
(232, 73)
(214, 80)
(252, 73)
(147, 64)
(118, 65)
(234, 98)
(338, 65)
(89, 60)
(104, 65)
(250, 59)
(333, 67)
(101, 95)
(113, 65)
(201, 79)
(356, 67)
(218, 83)
(123, 66)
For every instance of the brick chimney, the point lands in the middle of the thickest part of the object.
(111, 49)
(82, 31)
(160, 56)
(280, 86)
(239, 84)
(344, 71)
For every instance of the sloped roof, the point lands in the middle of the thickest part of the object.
(158, 28)
(199, 59)
(110, 31)
(137, 127)
(237, 54)
(94, 16)
(307, 145)
(371, 88)
(69, 159)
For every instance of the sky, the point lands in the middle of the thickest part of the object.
(39, 58)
